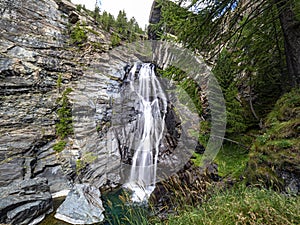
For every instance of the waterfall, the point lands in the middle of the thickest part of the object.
(150, 125)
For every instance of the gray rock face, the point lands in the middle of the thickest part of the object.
(25, 202)
(34, 52)
(82, 206)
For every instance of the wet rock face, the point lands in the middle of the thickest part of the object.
(123, 122)
(25, 202)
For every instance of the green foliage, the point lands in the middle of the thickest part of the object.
(120, 212)
(232, 160)
(226, 75)
(64, 126)
(78, 7)
(78, 35)
(254, 59)
(260, 57)
(59, 146)
(277, 149)
(79, 165)
(59, 81)
(187, 84)
(190, 94)
(96, 14)
(241, 205)
(121, 28)
(115, 40)
(121, 24)
(296, 10)
(107, 20)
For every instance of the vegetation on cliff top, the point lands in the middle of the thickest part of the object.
(120, 28)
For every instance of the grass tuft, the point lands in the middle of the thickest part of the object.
(242, 205)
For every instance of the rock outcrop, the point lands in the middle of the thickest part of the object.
(82, 206)
(25, 202)
(37, 63)
(35, 51)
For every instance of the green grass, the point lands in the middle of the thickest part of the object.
(241, 205)
(232, 160)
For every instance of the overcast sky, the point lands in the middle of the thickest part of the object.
(140, 9)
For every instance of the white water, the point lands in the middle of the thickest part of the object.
(149, 131)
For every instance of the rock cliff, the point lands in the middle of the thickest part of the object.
(35, 51)
(38, 61)
(44, 69)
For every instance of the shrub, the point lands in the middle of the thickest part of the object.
(115, 40)
(78, 35)
(59, 146)
(64, 125)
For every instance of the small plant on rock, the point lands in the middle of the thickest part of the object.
(64, 126)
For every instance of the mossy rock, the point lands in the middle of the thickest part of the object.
(276, 151)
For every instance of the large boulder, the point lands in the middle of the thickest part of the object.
(82, 206)
(25, 202)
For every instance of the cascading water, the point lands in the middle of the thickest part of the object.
(150, 124)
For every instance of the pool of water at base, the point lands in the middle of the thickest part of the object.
(116, 211)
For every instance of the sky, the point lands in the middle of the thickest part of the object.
(139, 9)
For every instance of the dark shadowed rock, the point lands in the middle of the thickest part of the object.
(82, 206)
(25, 202)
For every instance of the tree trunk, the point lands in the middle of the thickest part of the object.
(291, 31)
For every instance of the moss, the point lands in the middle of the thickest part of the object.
(232, 160)
(59, 146)
(93, 31)
(89, 157)
(97, 45)
(277, 149)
